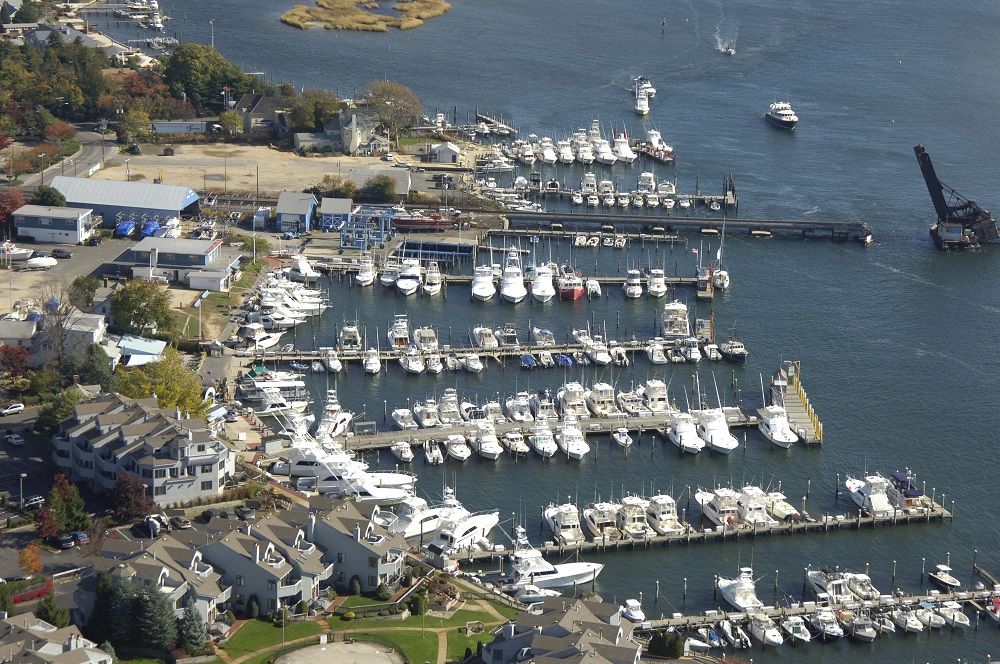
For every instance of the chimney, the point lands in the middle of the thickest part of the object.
(311, 526)
(357, 533)
(190, 435)
(177, 412)
(248, 528)
(76, 379)
(187, 415)
(256, 552)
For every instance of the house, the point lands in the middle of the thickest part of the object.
(261, 113)
(39, 39)
(65, 225)
(180, 259)
(295, 212)
(102, 299)
(446, 153)
(357, 546)
(177, 457)
(335, 212)
(75, 330)
(18, 333)
(15, 30)
(135, 351)
(255, 568)
(286, 531)
(29, 639)
(350, 132)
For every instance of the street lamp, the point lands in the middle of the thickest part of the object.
(23, 475)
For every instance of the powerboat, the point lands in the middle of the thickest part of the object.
(432, 453)
(372, 361)
(600, 399)
(565, 152)
(530, 568)
(858, 625)
(483, 337)
(642, 84)
(542, 337)
(603, 153)
(657, 285)
(426, 413)
(622, 437)
(661, 515)
(632, 518)
(507, 336)
(642, 103)
(824, 621)
(765, 630)
(432, 280)
(548, 151)
(778, 506)
(331, 361)
(472, 363)
(943, 577)
(543, 406)
(570, 439)
(593, 288)
(720, 506)
(683, 433)
(366, 271)
(415, 518)
(408, 280)
(601, 521)
(631, 404)
(733, 350)
(456, 447)
(542, 441)
(906, 620)
(875, 495)
(831, 584)
(861, 586)
(622, 150)
(632, 611)
(654, 395)
(775, 428)
(518, 408)
(689, 349)
(531, 594)
(570, 283)
(564, 522)
(927, 616)
(350, 338)
(403, 418)
(411, 361)
(399, 332)
(714, 430)
(633, 284)
(483, 288)
(753, 508)
(448, 411)
(676, 325)
(740, 592)
(542, 288)
(953, 615)
(795, 628)
(571, 401)
(781, 115)
(733, 634)
(514, 442)
(576, 198)
(464, 532)
(512, 287)
(655, 351)
(484, 442)
(425, 339)
(402, 451)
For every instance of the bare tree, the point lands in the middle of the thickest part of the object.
(394, 104)
(58, 318)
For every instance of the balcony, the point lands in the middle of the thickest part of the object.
(289, 588)
(61, 459)
(61, 442)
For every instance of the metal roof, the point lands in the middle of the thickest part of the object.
(172, 245)
(293, 202)
(139, 195)
(52, 212)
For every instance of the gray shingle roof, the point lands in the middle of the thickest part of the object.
(125, 194)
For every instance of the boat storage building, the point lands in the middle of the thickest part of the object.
(111, 198)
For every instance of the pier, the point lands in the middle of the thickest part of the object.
(787, 392)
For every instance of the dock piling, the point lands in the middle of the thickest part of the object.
(893, 572)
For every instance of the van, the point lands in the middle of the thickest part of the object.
(61, 253)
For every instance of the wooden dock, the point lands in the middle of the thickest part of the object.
(787, 392)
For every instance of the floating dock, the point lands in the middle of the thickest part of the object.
(787, 392)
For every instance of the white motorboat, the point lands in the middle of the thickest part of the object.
(740, 592)
(402, 451)
(432, 280)
(661, 514)
(622, 437)
(569, 438)
(518, 408)
(432, 453)
(927, 616)
(543, 406)
(514, 442)
(433, 363)
(506, 336)
(564, 522)
(593, 288)
(714, 430)
(655, 351)
(411, 361)
(642, 84)
(484, 337)
(622, 150)
(683, 433)
(542, 441)
(448, 411)
(542, 287)
(548, 151)
(720, 506)
(906, 620)
(512, 286)
(861, 586)
(875, 495)
(796, 629)
(464, 533)
(456, 447)
(483, 288)
(676, 325)
(601, 521)
(484, 442)
(472, 363)
(372, 361)
(654, 395)
(632, 611)
(633, 284)
(830, 583)
(403, 417)
(366, 270)
(350, 338)
(399, 331)
(883, 623)
(565, 152)
(642, 103)
(530, 568)
(953, 615)
(631, 404)
(576, 198)
(781, 115)
(652, 200)
(858, 625)
(600, 399)
(531, 594)
(943, 577)
(415, 518)
(689, 349)
(588, 185)
(765, 630)
(733, 634)
(585, 153)
(408, 280)
(425, 339)
(572, 402)
(603, 153)
(526, 154)
(775, 427)
(426, 413)
(657, 286)
(542, 337)
(753, 508)
(632, 518)
(824, 621)
(779, 507)
(668, 204)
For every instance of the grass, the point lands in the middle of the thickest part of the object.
(358, 600)
(257, 634)
(415, 648)
(142, 660)
(457, 620)
(506, 611)
(459, 641)
(361, 16)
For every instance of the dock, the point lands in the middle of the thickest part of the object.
(787, 392)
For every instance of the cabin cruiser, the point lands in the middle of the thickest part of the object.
(779, 507)
(601, 521)
(530, 568)
(301, 270)
(543, 406)
(600, 399)
(632, 518)
(740, 592)
(403, 417)
(464, 533)
(861, 586)
(622, 150)
(399, 332)
(483, 288)
(571, 400)
(657, 286)
(425, 339)
(570, 283)
(402, 451)
(408, 280)
(655, 351)
(565, 152)
(273, 391)
(432, 280)
(411, 361)
(603, 153)
(795, 627)
(366, 270)
(415, 518)
(654, 395)
(683, 433)
(569, 438)
(426, 413)
(542, 288)
(831, 584)
(390, 272)
(448, 412)
(542, 337)
(780, 114)
(576, 198)
(526, 153)
(331, 361)
(753, 508)
(642, 103)
(642, 84)
(514, 442)
(507, 336)
(875, 495)
(456, 447)
(484, 442)
(493, 411)
(512, 287)
(824, 621)
(597, 351)
(582, 337)
(661, 514)
(631, 404)
(632, 611)
(432, 453)
(542, 441)
(483, 337)
(633, 284)
(372, 361)
(775, 428)
(518, 408)
(676, 325)
(714, 430)
(472, 363)
(564, 522)
(720, 506)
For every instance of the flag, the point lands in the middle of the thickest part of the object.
(694, 250)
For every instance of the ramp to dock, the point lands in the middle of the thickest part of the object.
(787, 391)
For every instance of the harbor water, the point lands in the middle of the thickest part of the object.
(897, 342)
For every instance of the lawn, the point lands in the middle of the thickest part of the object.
(415, 648)
(142, 660)
(458, 642)
(506, 611)
(352, 601)
(257, 634)
(457, 620)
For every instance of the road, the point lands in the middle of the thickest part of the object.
(94, 149)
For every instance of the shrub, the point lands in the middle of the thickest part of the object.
(302, 607)
(230, 617)
(354, 588)
(407, 581)
(468, 652)
(383, 593)
(253, 607)
(348, 616)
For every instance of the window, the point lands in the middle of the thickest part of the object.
(240, 580)
(160, 473)
(271, 605)
(239, 599)
(192, 471)
(45, 222)
(147, 473)
(160, 491)
(175, 472)
(341, 558)
(272, 585)
(206, 468)
(372, 581)
(206, 485)
(201, 448)
(372, 561)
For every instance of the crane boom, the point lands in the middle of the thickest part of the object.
(960, 223)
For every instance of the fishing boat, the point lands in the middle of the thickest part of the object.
(683, 433)
(483, 288)
(570, 439)
(796, 629)
(408, 280)
(542, 288)
(622, 437)
(600, 520)
(513, 441)
(943, 577)
(857, 624)
(402, 451)
(676, 325)
(861, 586)
(518, 408)
(399, 331)
(426, 413)
(484, 442)
(720, 506)
(530, 568)
(593, 288)
(542, 441)
(906, 620)
(733, 350)
(661, 515)
(372, 361)
(542, 337)
(456, 448)
(403, 418)
(642, 103)
(764, 629)
(483, 337)
(831, 584)
(774, 425)
(927, 616)
(543, 406)
(564, 522)
(432, 280)
(824, 621)
(571, 401)
(390, 272)
(657, 286)
(733, 633)
(632, 518)
(655, 351)
(714, 430)
(411, 361)
(753, 509)
(432, 453)
(740, 592)
(366, 270)
(570, 283)
(512, 286)
(953, 615)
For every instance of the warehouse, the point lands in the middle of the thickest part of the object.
(115, 200)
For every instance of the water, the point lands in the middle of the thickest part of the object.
(897, 342)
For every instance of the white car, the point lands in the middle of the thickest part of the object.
(12, 409)
(14, 439)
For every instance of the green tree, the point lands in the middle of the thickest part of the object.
(134, 126)
(48, 196)
(383, 593)
(173, 383)
(28, 13)
(4, 14)
(314, 109)
(139, 307)
(259, 246)
(253, 608)
(123, 610)
(201, 73)
(81, 291)
(67, 506)
(110, 649)
(231, 123)
(191, 629)
(381, 188)
(155, 619)
(417, 604)
(128, 499)
(99, 627)
(55, 412)
(394, 104)
(354, 587)
(51, 611)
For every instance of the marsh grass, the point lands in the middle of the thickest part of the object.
(352, 15)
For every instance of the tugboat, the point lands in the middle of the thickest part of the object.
(781, 115)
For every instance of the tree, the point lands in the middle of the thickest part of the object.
(51, 611)
(381, 188)
(134, 126)
(253, 608)
(10, 201)
(14, 360)
(141, 306)
(59, 132)
(67, 505)
(191, 629)
(55, 412)
(259, 246)
(46, 525)
(173, 383)
(354, 587)
(110, 649)
(81, 291)
(128, 499)
(231, 123)
(314, 109)
(48, 196)
(58, 313)
(122, 615)
(383, 593)
(201, 73)
(30, 559)
(28, 13)
(4, 14)
(99, 627)
(394, 104)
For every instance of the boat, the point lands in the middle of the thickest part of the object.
(906, 620)
(408, 280)
(733, 350)
(593, 288)
(526, 154)
(953, 615)
(661, 515)
(593, 200)
(569, 438)
(733, 634)
(528, 361)
(824, 621)
(426, 413)
(632, 518)
(857, 625)
(472, 363)
(542, 441)
(656, 285)
(740, 592)
(512, 286)
(765, 630)
(483, 337)
(642, 103)
(317, 367)
(372, 361)
(415, 518)
(301, 366)
(513, 441)
(642, 84)
(565, 152)
(548, 153)
(543, 406)
(425, 339)
(576, 198)
(684, 202)
(432, 453)
(653, 393)
(411, 361)
(683, 433)
(545, 359)
(542, 337)
(463, 533)
(530, 568)
(943, 577)
(875, 495)
(571, 401)
(781, 115)
(622, 149)
(633, 284)
(399, 332)
(655, 351)
(531, 594)
(507, 336)
(603, 153)
(433, 363)
(484, 442)
(689, 350)
(779, 507)
(300, 270)
(830, 584)
(668, 204)
(403, 418)
(570, 283)
(402, 451)
(623, 200)
(622, 437)
(883, 623)
(564, 522)
(366, 270)
(40, 263)
(927, 616)
(542, 288)
(774, 425)
(676, 325)
(714, 430)
(598, 353)
(432, 280)
(483, 288)
(652, 200)
(518, 408)
(720, 506)
(331, 360)
(796, 629)
(456, 448)
(390, 272)
(601, 521)
(861, 586)
(496, 164)
(632, 611)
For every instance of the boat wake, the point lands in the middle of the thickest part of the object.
(725, 37)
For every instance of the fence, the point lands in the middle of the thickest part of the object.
(370, 637)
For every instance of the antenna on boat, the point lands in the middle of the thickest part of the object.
(717, 397)
(762, 389)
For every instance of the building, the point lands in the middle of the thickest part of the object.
(178, 458)
(75, 330)
(350, 132)
(66, 225)
(295, 212)
(263, 114)
(446, 153)
(102, 299)
(115, 201)
(18, 333)
(133, 351)
(335, 212)
(194, 126)
(255, 568)
(40, 37)
(30, 640)
(199, 264)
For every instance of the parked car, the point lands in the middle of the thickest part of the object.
(95, 240)
(64, 541)
(12, 409)
(232, 416)
(228, 514)
(14, 439)
(33, 502)
(180, 522)
(80, 537)
(245, 513)
(210, 514)
(61, 253)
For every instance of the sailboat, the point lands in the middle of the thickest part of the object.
(721, 277)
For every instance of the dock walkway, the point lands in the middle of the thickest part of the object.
(787, 392)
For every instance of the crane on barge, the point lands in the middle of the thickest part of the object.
(961, 224)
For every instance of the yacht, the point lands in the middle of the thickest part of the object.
(569, 438)
(483, 288)
(779, 507)
(661, 514)
(456, 447)
(831, 584)
(540, 437)
(775, 428)
(484, 442)
(518, 408)
(593, 288)
(654, 395)
(633, 284)
(861, 586)
(683, 433)
(689, 350)
(656, 143)
(642, 103)
(571, 401)
(372, 361)
(542, 337)
(350, 338)
(483, 337)
(548, 151)
(514, 442)
(411, 361)
(597, 351)
(448, 411)
(652, 200)
(622, 150)
(824, 621)
(565, 152)
(415, 518)
(425, 339)
(496, 164)
(585, 153)
(874, 495)
(657, 286)
(631, 404)
(714, 430)
(795, 627)
(720, 506)
(366, 271)
(432, 453)
(600, 399)
(753, 508)
(331, 361)
(676, 325)
(390, 272)
(512, 287)
(526, 154)
(570, 283)
(632, 518)
(408, 280)
(642, 84)
(507, 336)
(402, 451)
(432, 280)
(603, 153)
(530, 568)
(399, 332)
(472, 363)
(564, 522)
(576, 198)
(543, 406)
(403, 417)
(542, 288)
(740, 592)
(655, 351)
(426, 413)
(781, 115)
(601, 521)
(464, 533)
